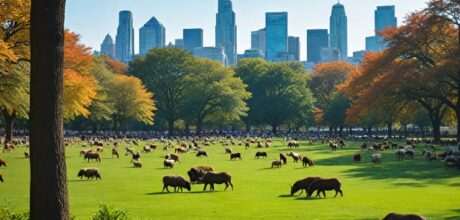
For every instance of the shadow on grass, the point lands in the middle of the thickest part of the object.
(455, 217)
(420, 170)
(164, 193)
(286, 196)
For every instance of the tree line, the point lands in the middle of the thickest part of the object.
(415, 81)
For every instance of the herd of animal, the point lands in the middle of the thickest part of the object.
(207, 175)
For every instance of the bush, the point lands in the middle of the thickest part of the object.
(109, 213)
(7, 214)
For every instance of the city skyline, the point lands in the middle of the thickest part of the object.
(302, 16)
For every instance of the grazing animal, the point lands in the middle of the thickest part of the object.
(235, 156)
(410, 154)
(295, 156)
(322, 185)
(168, 164)
(334, 147)
(395, 216)
(147, 149)
(267, 144)
(180, 150)
(246, 145)
(115, 152)
(178, 182)
(376, 158)
(259, 145)
(26, 154)
(307, 162)
(153, 147)
(136, 156)
(400, 154)
(357, 158)
(92, 156)
(100, 149)
(212, 178)
(303, 184)
(261, 154)
(201, 153)
(277, 163)
(196, 173)
(294, 144)
(83, 152)
(228, 150)
(173, 157)
(1, 178)
(363, 146)
(137, 164)
(89, 173)
(283, 157)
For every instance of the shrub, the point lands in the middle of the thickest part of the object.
(109, 213)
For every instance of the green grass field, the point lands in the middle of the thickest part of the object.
(370, 191)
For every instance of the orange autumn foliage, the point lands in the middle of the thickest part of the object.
(115, 66)
(80, 88)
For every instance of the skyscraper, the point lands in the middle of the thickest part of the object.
(108, 47)
(258, 40)
(124, 43)
(316, 40)
(276, 24)
(338, 30)
(179, 43)
(385, 17)
(151, 35)
(193, 38)
(226, 30)
(213, 53)
(373, 44)
(294, 47)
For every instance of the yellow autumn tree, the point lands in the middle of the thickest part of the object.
(131, 100)
(80, 87)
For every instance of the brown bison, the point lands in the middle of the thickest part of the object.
(178, 182)
(201, 153)
(261, 154)
(322, 185)
(307, 162)
(89, 173)
(277, 163)
(173, 157)
(283, 157)
(235, 156)
(3, 163)
(303, 184)
(115, 153)
(216, 178)
(395, 216)
(196, 173)
(357, 158)
(92, 156)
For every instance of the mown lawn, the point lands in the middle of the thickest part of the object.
(370, 191)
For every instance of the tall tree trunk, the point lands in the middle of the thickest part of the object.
(48, 181)
(199, 125)
(9, 122)
(170, 127)
(390, 129)
(274, 129)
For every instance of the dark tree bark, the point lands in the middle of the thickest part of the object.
(48, 186)
(9, 122)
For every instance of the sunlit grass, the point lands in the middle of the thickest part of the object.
(370, 191)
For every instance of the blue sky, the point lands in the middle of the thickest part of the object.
(93, 19)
